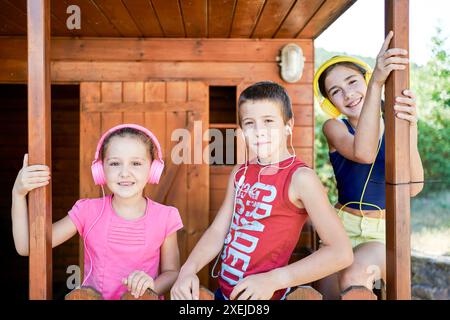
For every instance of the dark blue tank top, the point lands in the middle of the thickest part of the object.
(351, 176)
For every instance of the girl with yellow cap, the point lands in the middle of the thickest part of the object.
(350, 89)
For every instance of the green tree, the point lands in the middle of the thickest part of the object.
(431, 83)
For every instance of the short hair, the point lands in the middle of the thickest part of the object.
(325, 73)
(271, 91)
(129, 132)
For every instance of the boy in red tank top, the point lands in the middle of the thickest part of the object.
(267, 202)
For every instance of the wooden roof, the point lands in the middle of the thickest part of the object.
(183, 18)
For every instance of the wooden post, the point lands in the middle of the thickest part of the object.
(398, 251)
(39, 147)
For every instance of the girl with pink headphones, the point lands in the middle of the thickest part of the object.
(356, 148)
(130, 241)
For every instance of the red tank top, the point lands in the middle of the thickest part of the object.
(265, 227)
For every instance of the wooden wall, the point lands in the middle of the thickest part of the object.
(228, 62)
(65, 159)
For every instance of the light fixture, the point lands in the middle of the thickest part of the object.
(291, 61)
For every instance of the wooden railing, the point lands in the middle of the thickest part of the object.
(300, 293)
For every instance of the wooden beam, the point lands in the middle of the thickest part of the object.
(39, 147)
(398, 248)
(133, 49)
(325, 15)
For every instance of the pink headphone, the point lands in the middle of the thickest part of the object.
(156, 167)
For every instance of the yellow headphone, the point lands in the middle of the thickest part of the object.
(326, 105)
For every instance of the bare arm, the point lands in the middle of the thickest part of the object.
(405, 108)
(335, 253)
(170, 264)
(207, 248)
(29, 178)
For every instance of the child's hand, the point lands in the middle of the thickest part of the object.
(186, 288)
(254, 287)
(405, 107)
(30, 177)
(388, 60)
(137, 282)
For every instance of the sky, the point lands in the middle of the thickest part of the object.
(360, 30)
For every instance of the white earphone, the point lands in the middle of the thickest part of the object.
(289, 130)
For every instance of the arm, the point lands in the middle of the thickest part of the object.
(29, 178)
(207, 248)
(405, 108)
(139, 281)
(170, 264)
(335, 254)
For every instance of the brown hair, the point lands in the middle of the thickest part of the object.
(271, 91)
(129, 132)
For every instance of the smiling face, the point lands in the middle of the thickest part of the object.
(264, 128)
(127, 166)
(346, 88)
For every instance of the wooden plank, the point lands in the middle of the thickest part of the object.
(140, 106)
(93, 16)
(300, 14)
(176, 91)
(90, 132)
(170, 18)
(90, 92)
(132, 49)
(398, 246)
(327, 13)
(144, 17)
(109, 120)
(220, 17)
(195, 18)
(271, 18)
(306, 155)
(10, 26)
(303, 136)
(304, 293)
(119, 17)
(141, 71)
(134, 117)
(39, 148)
(166, 182)
(198, 91)
(177, 195)
(303, 115)
(111, 92)
(155, 91)
(218, 181)
(198, 171)
(358, 293)
(19, 14)
(245, 17)
(133, 91)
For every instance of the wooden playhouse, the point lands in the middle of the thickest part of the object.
(165, 64)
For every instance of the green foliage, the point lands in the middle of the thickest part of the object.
(431, 83)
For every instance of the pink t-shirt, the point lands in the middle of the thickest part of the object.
(118, 246)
